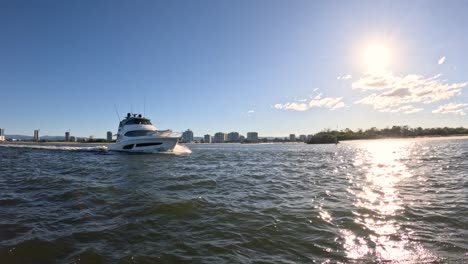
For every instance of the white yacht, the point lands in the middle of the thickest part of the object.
(137, 134)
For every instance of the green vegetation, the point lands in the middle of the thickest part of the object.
(393, 132)
(323, 139)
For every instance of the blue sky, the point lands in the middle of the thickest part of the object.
(276, 67)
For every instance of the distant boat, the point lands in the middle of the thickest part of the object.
(137, 134)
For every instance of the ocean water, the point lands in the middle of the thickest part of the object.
(362, 202)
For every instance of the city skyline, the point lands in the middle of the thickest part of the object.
(186, 137)
(273, 67)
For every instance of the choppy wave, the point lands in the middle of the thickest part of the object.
(179, 149)
(55, 147)
(368, 202)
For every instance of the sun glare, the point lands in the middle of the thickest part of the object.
(377, 58)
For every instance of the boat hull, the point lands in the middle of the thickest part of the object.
(145, 144)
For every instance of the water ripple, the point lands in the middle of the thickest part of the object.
(362, 202)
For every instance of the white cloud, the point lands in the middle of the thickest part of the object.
(391, 91)
(441, 60)
(291, 106)
(407, 109)
(344, 77)
(451, 108)
(250, 113)
(327, 102)
(374, 82)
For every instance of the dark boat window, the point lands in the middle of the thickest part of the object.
(148, 144)
(128, 146)
(137, 133)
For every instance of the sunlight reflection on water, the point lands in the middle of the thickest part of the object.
(356, 202)
(379, 205)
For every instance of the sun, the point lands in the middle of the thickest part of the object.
(377, 58)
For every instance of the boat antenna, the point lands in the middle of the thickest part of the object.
(117, 112)
(144, 106)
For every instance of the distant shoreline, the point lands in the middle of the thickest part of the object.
(349, 141)
(421, 138)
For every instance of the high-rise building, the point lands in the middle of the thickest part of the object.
(220, 137)
(207, 138)
(2, 134)
(187, 136)
(292, 137)
(36, 135)
(67, 136)
(233, 137)
(252, 137)
(302, 138)
(109, 136)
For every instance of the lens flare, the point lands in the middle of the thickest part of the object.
(377, 58)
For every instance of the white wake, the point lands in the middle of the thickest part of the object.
(179, 149)
(55, 147)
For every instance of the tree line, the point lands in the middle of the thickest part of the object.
(394, 131)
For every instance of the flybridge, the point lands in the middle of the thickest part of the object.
(134, 119)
